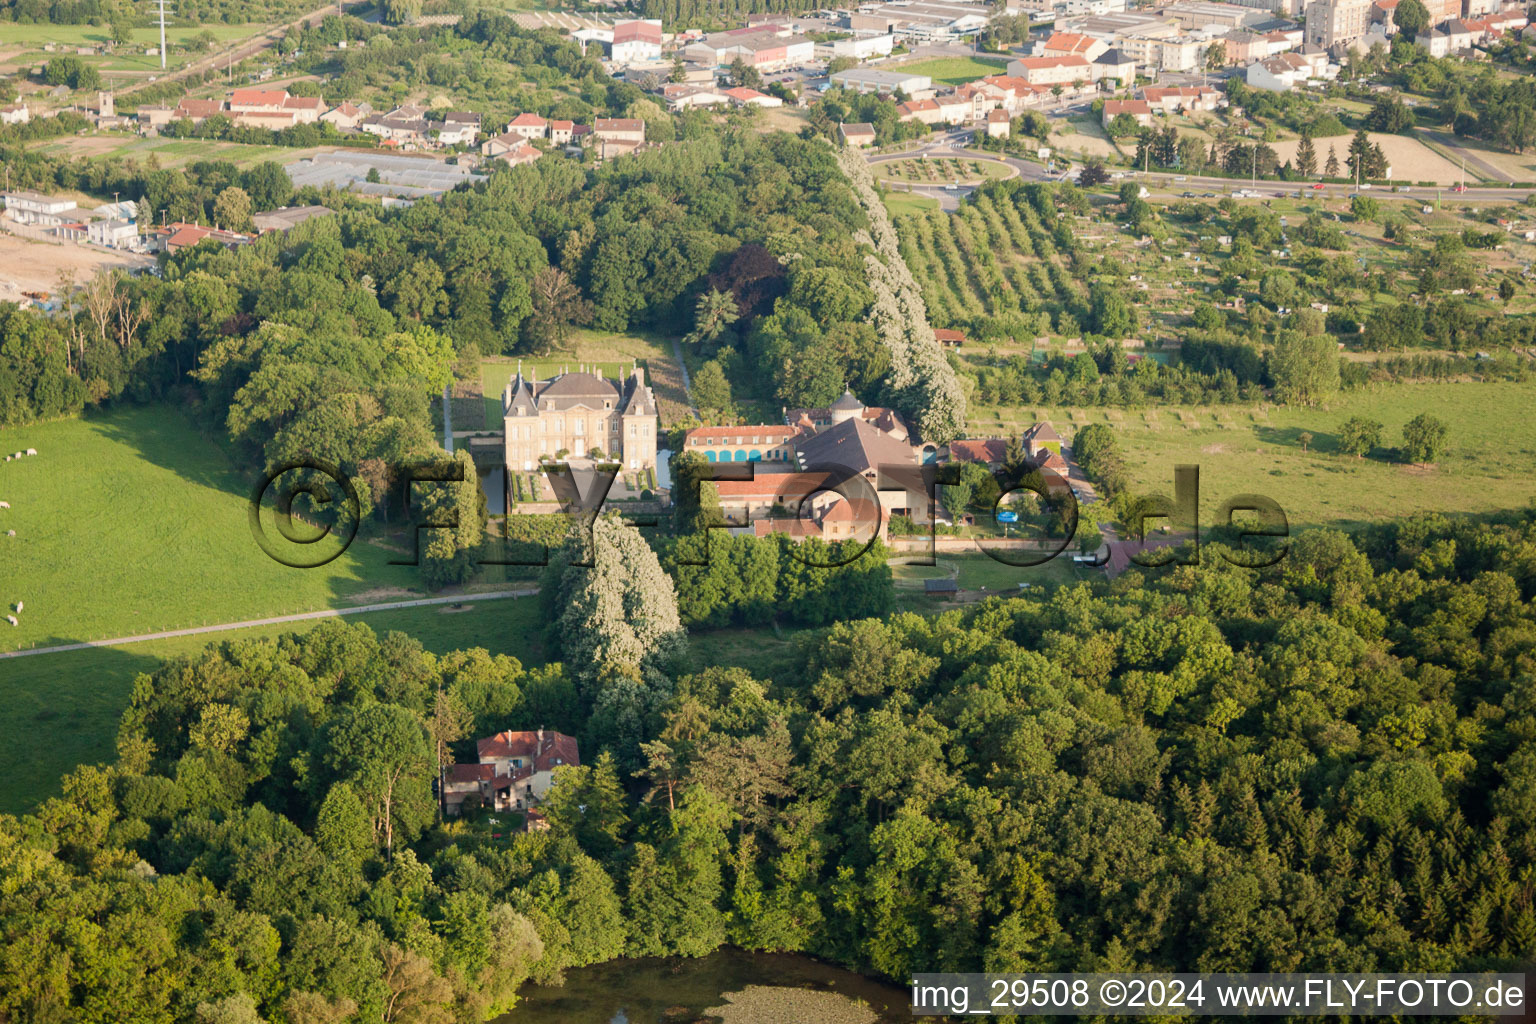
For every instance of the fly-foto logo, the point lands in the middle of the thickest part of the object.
(305, 513)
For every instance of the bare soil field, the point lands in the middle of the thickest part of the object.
(1409, 159)
(31, 266)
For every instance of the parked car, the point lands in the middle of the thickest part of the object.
(1186, 195)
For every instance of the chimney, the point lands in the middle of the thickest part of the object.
(640, 375)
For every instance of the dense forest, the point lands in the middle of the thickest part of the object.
(1327, 766)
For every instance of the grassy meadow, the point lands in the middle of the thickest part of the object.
(1487, 464)
(133, 521)
(955, 70)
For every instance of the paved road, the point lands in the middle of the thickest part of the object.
(327, 613)
(946, 144)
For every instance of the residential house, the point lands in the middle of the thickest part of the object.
(946, 336)
(684, 96)
(347, 116)
(1051, 70)
(1280, 73)
(198, 111)
(514, 772)
(1187, 98)
(635, 42)
(522, 152)
(26, 207)
(273, 108)
(1114, 65)
(856, 135)
(1138, 110)
(529, 126)
(999, 124)
(15, 113)
(616, 136)
(742, 97)
(458, 128)
(561, 132)
(496, 145)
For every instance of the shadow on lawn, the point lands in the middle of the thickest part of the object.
(59, 711)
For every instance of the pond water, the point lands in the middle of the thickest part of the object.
(679, 991)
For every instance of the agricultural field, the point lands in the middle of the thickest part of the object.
(58, 711)
(988, 257)
(1486, 465)
(941, 171)
(134, 521)
(954, 70)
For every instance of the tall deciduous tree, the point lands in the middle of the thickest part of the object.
(615, 610)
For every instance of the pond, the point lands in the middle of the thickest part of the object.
(738, 986)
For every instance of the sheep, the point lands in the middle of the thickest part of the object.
(10, 533)
(31, 451)
(19, 607)
(12, 620)
(5, 504)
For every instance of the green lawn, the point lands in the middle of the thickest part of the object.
(955, 70)
(134, 522)
(1487, 464)
(901, 204)
(613, 354)
(58, 711)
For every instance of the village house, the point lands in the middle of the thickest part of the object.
(999, 126)
(742, 97)
(635, 42)
(1184, 99)
(573, 414)
(1051, 70)
(346, 116)
(179, 236)
(1114, 66)
(114, 233)
(514, 772)
(15, 113)
(521, 152)
(685, 96)
(273, 108)
(1137, 110)
(198, 111)
(856, 135)
(528, 126)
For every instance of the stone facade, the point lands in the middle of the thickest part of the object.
(576, 413)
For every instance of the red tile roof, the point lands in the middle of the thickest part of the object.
(631, 30)
(544, 748)
(992, 449)
(528, 121)
(258, 97)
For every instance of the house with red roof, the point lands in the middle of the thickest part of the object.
(514, 772)
(743, 97)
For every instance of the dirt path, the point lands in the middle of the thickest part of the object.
(277, 620)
